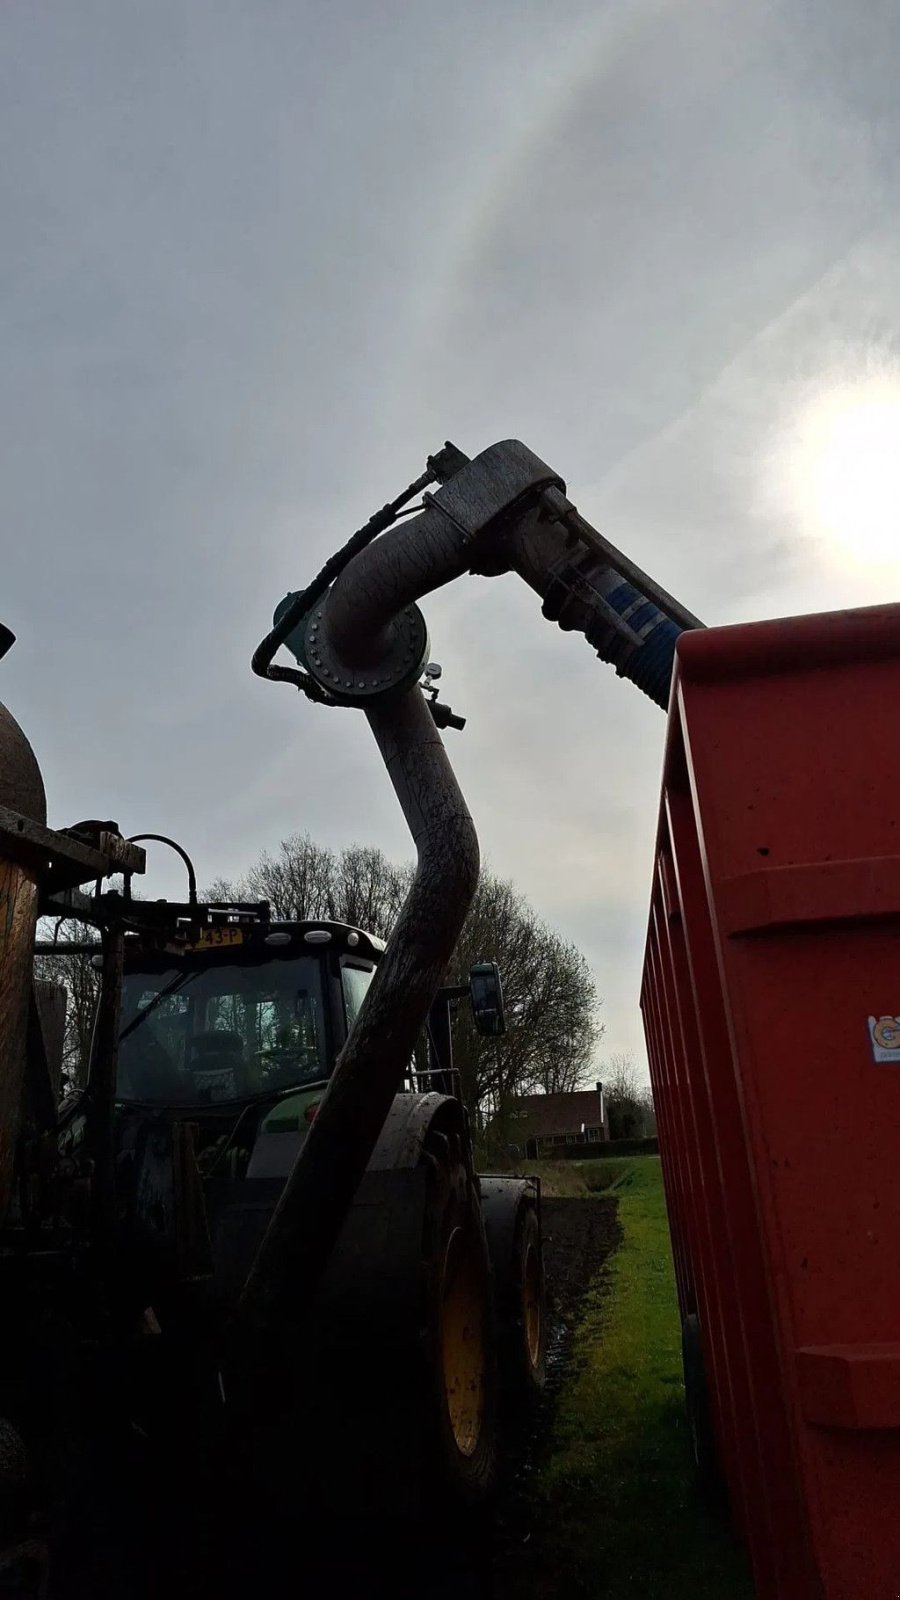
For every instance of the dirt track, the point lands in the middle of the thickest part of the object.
(578, 1237)
(579, 1234)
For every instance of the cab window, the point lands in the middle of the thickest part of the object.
(355, 980)
(228, 1030)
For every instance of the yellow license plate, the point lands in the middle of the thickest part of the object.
(218, 938)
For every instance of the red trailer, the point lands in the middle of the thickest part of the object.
(771, 1002)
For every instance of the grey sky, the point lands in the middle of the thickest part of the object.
(261, 258)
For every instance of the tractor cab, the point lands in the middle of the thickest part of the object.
(226, 1038)
(240, 1015)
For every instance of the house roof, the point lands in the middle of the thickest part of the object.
(544, 1114)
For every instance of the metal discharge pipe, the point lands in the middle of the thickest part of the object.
(370, 1068)
(504, 511)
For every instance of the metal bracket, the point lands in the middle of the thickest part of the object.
(63, 859)
(500, 482)
(400, 666)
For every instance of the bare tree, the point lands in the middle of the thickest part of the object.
(369, 890)
(298, 881)
(551, 1004)
(81, 983)
(649, 1111)
(629, 1103)
(620, 1076)
(551, 1001)
(303, 879)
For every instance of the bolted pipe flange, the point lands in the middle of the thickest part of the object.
(402, 657)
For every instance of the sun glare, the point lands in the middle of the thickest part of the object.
(845, 468)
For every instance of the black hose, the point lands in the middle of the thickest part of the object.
(161, 838)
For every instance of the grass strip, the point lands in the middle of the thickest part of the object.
(615, 1495)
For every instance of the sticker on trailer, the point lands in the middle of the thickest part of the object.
(884, 1035)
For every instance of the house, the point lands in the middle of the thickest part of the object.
(542, 1123)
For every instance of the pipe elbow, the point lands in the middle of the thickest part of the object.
(363, 613)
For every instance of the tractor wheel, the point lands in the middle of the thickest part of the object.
(383, 1421)
(699, 1412)
(460, 1412)
(524, 1331)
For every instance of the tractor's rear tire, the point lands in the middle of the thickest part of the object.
(387, 1454)
(525, 1332)
(385, 1416)
(460, 1358)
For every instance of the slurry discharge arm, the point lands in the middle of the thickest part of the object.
(360, 640)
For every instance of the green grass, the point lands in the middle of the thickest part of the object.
(616, 1494)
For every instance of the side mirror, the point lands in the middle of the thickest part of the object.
(486, 994)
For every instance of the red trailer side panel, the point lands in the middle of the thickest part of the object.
(772, 999)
